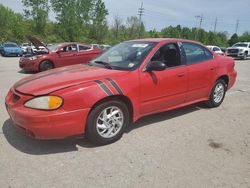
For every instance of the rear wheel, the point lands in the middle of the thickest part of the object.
(107, 122)
(217, 94)
(46, 65)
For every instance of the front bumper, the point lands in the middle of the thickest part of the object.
(29, 65)
(236, 54)
(40, 124)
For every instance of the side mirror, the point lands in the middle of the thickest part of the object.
(155, 66)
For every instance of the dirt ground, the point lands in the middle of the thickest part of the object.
(189, 147)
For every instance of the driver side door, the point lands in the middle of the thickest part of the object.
(67, 55)
(161, 90)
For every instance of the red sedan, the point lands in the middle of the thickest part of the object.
(133, 79)
(58, 55)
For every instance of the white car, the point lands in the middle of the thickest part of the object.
(24, 47)
(216, 49)
(240, 50)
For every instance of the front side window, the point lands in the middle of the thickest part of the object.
(169, 54)
(69, 48)
(196, 53)
(124, 56)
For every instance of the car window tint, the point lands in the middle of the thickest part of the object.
(69, 48)
(196, 53)
(168, 54)
(84, 48)
(216, 49)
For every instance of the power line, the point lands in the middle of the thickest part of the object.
(140, 13)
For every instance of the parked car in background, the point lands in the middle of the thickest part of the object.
(57, 55)
(10, 49)
(24, 47)
(216, 50)
(131, 80)
(240, 50)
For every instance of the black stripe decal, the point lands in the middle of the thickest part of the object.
(104, 87)
(118, 89)
(38, 77)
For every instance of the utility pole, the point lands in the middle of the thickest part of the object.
(140, 13)
(237, 26)
(215, 24)
(201, 20)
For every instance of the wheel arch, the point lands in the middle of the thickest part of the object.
(45, 60)
(225, 78)
(122, 98)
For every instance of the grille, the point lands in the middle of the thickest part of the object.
(233, 50)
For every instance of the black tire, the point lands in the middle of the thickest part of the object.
(91, 127)
(212, 102)
(46, 65)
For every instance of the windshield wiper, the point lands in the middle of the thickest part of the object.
(105, 64)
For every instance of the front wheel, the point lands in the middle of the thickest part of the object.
(217, 94)
(46, 65)
(107, 122)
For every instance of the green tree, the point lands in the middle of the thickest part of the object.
(99, 27)
(234, 39)
(12, 25)
(38, 11)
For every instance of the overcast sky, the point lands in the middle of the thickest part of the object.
(161, 13)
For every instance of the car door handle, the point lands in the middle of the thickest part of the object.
(181, 75)
(212, 68)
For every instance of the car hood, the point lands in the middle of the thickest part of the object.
(239, 48)
(36, 42)
(56, 79)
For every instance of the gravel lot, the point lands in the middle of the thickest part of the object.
(188, 147)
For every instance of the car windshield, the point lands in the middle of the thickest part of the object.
(124, 56)
(240, 45)
(10, 45)
(53, 47)
(25, 44)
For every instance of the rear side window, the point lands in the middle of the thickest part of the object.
(84, 48)
(196, 53)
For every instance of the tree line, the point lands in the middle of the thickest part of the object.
(86, 21)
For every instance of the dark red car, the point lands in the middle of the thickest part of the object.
(58, 55)
(131, 80)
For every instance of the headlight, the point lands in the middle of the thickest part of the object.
(33, 58)
(241, 50)
(45, 103)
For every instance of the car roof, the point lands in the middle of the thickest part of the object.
(158, 40)
(70, 43)
(209, 46)
(243, 43)
(10, 43)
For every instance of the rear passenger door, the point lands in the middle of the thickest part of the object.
(85, 53)
(200, 70)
